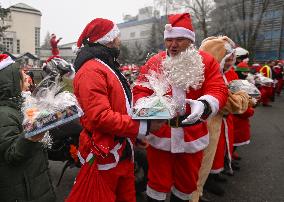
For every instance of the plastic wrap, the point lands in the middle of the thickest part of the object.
(48, 108)
(158, 105)
(263, 81)
(244, 85)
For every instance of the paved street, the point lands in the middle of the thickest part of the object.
(261, 178)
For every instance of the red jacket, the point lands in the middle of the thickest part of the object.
(53, 44)
(194, 138)
(106, 108)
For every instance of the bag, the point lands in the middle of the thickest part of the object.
(89, 186)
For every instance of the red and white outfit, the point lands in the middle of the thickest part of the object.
(242, 127)
(175, 154)
(266, 91)
(53, 44)
(226, 140)
(106, 118)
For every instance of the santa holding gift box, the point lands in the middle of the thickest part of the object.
(175, 150)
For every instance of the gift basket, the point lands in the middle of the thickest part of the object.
(244, 85)
(48, 106)
(158, 105)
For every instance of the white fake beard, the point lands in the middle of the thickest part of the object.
(185, 70)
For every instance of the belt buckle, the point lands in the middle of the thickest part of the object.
(176, 122)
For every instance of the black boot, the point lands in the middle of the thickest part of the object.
(174, 198)
(149, 199)
(219, 177)
(212, 186)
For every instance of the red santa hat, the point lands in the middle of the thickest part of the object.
(99, 30)
(180, 25)
(242, 67)
(5, 61)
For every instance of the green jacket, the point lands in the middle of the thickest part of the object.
(24, 174)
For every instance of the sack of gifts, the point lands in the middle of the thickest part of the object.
(244, 85)
(158, 105)
(49, 108)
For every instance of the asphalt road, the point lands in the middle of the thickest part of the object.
(261, 178)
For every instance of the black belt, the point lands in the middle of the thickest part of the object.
(126, 153)
(177, 122)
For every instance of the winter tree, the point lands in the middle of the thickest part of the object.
(46, 43)
(240, 20)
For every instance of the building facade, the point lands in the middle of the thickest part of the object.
(138, 30)
(23, 34)
(269, 43)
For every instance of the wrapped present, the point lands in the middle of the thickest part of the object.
(158, 105)
(263, 81)
(244, 85)
(48, 109)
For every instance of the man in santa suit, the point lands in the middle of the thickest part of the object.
(267, 91)
(223, 50)
(53, 43)
(175, 151)
(105, 97)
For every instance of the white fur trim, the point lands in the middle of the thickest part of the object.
(6, 62)
(114, 151)
(231, 52)
(142, 129)
(160, 196)
(126, 99)
(217, 171)
(241, 143)
(165, 144)
(110, 36)
(213, 102)
(181, 195)
(176, 32)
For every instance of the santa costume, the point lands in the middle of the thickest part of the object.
(175, 151)
(53, 43)
(106, 142)
(266, 90)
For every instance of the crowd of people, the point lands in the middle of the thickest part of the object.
(186, 155)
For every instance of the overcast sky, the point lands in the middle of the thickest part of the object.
(67, 18)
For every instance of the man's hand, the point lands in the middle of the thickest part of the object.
(156, 125)
(36, 138)
(197, 109)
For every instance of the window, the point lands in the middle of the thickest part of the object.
(145, 33)
(18, 47)
(8, 44)
(132, 34)
(276, 34)
(37, 40)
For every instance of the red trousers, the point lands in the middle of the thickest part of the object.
(121, 181)
(172, 171)
(266, 93)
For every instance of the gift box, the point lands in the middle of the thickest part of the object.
(41, 120)
(48, 108)
(244, 85)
